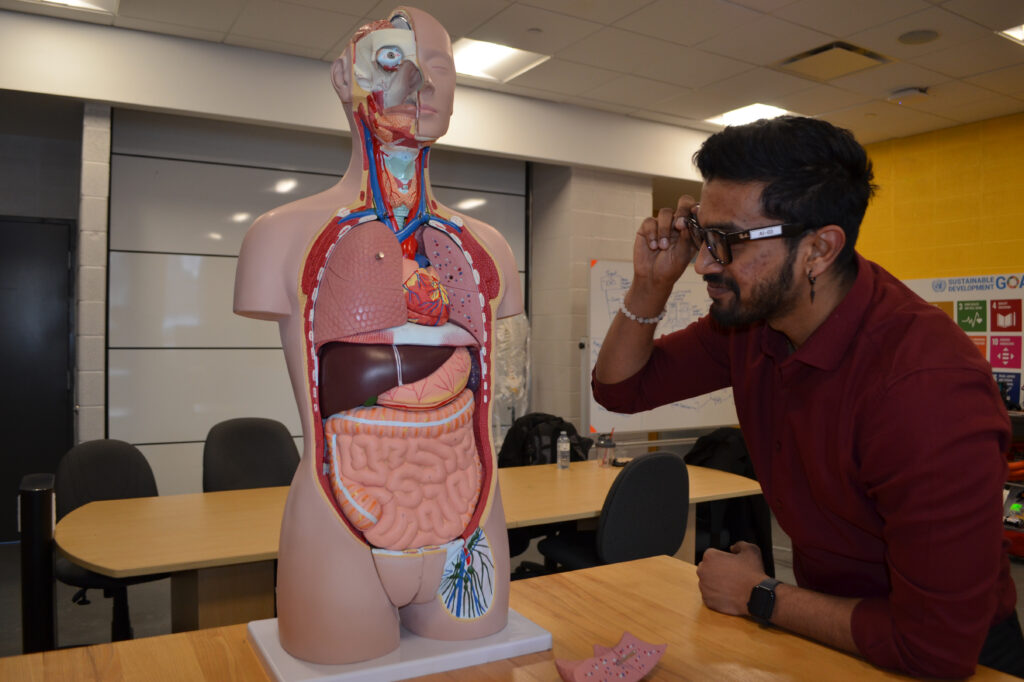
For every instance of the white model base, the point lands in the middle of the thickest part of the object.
(414, 656)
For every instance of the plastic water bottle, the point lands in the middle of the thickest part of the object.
(562, 447)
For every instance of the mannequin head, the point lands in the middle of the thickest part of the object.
(398, 76)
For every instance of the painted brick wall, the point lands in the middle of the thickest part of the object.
(950, 203)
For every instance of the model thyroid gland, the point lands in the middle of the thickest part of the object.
(394, 515)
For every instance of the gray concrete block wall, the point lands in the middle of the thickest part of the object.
(578, 215)
(91, 275)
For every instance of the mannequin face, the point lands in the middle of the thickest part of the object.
(403, 78)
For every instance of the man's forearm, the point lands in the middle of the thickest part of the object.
(821, 617)
(628, 344)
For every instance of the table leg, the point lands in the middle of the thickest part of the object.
(688, 550)
(223, 595)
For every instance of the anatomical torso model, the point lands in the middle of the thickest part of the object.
(386, 302)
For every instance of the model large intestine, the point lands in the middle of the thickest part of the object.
(386, 302)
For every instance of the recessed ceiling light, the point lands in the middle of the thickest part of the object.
(215, 236)
(470, 204)
(493, 62)
(103, 6)
(1015, 33)
(286, 185)
(747, 114)
(240, 217)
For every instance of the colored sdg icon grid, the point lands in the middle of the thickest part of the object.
(972, 316)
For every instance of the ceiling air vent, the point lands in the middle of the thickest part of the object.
(832, 61)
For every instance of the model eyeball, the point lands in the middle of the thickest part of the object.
(389, 57)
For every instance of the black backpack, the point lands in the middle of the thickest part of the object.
(531, 440)
(723, 522)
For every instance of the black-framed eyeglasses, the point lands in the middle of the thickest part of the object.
(720, 243)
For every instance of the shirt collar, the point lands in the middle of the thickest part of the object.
(828, 344)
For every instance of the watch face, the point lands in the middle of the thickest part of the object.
(762, 601)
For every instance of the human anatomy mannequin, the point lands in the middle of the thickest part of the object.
(386, 302)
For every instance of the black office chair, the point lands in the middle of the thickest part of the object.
(643, 515)
(531, 441)
(102, 470)
(722, 523)
(248, 452)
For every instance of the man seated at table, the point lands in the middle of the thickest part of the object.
(876, 429)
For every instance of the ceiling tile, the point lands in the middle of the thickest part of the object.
(699, 105)
(601, 11)
(841, 18)
(273, 46)
(997, 15)
(757, 85)
(615, 49)
(817, 100)
(687, 22)
(763, 5)
(632, 91)
(690, 67)
(765, 41)
(875, 121)
(209, 15)
(516, 27)
(558, 75)
(1008, 81)
(457, 16)
(280, 22)
(881, 81)
(952, 30)
(360, 7)
(59, 12)
(979, 56)
(210, 35)
(965, 102)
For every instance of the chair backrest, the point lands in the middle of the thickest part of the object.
(101, 470)
(248, 452)
(645, 511)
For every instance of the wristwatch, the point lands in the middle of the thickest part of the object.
(762, 601)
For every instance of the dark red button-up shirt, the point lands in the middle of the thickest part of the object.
(879, 445)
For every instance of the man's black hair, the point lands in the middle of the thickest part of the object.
(816, 174)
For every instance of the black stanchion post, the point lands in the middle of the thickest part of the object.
(36, 512)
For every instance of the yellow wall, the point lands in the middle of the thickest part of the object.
(950, 202)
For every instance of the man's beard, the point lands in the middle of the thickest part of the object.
(769, 298)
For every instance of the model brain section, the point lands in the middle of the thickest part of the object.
(400, 396)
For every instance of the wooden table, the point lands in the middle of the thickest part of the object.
(546, 494)
(655, 599)
(219, 547)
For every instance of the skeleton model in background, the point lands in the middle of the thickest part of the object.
(387, 303)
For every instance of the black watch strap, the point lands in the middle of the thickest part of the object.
(762, 601)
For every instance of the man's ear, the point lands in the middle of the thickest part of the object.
(826, 244)
(341, 76)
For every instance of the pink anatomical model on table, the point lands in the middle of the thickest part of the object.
(386, 302)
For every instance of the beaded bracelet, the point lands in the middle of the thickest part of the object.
(642, 320)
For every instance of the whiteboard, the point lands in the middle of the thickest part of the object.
(609, 281)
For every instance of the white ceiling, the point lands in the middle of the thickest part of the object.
(673, 61)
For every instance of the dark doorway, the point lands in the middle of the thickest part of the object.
(36, 406)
